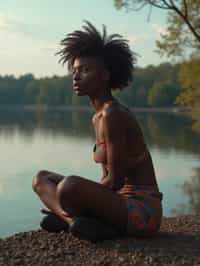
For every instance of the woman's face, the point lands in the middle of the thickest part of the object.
(89, 76)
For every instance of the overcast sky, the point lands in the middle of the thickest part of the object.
(30, 32)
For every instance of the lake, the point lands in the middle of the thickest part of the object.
(62, 141)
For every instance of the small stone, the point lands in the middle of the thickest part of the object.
(121, 259)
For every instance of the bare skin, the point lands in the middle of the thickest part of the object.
(115, 125)
(125, 146)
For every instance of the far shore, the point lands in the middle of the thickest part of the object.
(44, 107)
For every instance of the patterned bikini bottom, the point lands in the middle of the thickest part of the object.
(144, 209)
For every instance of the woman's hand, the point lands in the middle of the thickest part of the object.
(117, 185)
(112, 184)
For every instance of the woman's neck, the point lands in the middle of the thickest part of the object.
(98, 101)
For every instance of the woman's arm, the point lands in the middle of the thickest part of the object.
(104, 180)
(114, 135)
(104, 170)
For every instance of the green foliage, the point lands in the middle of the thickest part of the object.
(196, 117)
(183, 29)
(190, 80)
(51, 91)
(182, 34)
(182, 38)
(173, 41)
(190, 95)
(163, 94)
(58, 90)
(31, 91)
(137, 94)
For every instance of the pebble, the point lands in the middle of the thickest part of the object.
(177, 244)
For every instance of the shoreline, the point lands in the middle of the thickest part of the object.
(178, 243)
(44, 107)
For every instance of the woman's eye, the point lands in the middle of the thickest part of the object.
(84, 69)
(80, 70)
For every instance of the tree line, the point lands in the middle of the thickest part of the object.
(153, 86)
(181, 39)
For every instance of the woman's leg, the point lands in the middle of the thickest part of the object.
(45, 185)
(77, 195)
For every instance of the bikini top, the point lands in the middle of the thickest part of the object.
(99, 152)
(100, 156)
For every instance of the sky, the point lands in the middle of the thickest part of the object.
(30, 32)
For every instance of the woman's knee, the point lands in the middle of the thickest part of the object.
(38, 179)
(67, 189)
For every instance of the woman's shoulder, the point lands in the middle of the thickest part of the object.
(114, 108)
(118, 111)
(120, 115)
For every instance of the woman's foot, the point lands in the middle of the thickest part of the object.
(88, 228)
(92, 229)
(53, 223)
(45, 211)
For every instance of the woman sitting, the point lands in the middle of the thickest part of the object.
(127, 197)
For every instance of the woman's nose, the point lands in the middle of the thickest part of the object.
(76, 75)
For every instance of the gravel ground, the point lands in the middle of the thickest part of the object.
(178, 243)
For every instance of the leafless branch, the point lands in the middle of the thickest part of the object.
(150, 12)
(167, 4)
(185, 8)
(173, 6)
(157, 5)
(137, 8)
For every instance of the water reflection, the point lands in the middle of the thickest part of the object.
(191, 188)
(62, 141)
(170, 132)
(47, 122)
(164, 131)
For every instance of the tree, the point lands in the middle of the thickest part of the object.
(163, 94)
(190, 96)
(58, 90)
(190, 80)
(183, 29)
(32, 92)
(182, 37)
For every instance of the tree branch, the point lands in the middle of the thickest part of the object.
(185, 9)
(185, 18)
(172, 4)
(181, 10)
(149, 14)
(167, 4)
(157, 5)
(137, 8)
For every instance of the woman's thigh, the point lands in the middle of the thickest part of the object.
(94, 198)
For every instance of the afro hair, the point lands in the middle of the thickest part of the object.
(113, 50)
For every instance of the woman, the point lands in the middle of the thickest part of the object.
(127, 197)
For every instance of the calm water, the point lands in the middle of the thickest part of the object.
(63, 142)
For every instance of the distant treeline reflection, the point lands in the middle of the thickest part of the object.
(46, 122)
(164, 131)
(191, 188)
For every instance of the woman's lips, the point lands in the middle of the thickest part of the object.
(76, 86)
